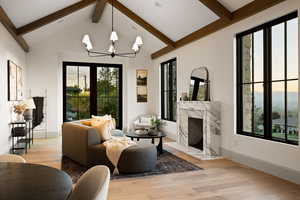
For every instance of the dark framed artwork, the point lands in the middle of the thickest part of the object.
(15, 81)
(141, 82)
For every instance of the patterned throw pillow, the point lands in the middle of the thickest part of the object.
(104, 125)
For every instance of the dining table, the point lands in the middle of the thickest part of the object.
(33, 182)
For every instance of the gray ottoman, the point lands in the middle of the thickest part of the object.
(138, 159)
(135, 159)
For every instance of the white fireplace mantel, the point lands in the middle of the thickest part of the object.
(209, 112)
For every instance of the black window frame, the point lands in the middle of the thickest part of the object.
(171, 91)
(267, 78)
(93, 86)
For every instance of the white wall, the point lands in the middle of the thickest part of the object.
(10, 50)
(45, 69)
(217, 53)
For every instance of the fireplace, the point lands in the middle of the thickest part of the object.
(198, 125)
(195, 133)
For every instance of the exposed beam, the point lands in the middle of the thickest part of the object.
(7, 23)
(248, 10)
(99, 8)
(217, 8)
(54, 16)
(142, 23)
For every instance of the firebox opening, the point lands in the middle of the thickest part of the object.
(195, 131)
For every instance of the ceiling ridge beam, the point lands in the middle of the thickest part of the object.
(242, 13)
(217, 8)
(7, 23)
(99, 8)
(123, 9)
(54, 16)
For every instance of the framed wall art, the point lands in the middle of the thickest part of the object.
(15, 82)
(141, 82)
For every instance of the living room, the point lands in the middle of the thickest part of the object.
(62, 50)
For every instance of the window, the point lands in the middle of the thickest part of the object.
(267, 81)
(168, 90)
(92, 89)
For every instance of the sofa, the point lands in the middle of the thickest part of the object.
(83, 145)
(144, 121)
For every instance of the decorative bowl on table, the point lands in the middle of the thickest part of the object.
(141, 132)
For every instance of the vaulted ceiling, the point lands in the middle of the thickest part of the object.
(164, 24)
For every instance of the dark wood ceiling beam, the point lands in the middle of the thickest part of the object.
(54, 16)
(142, 23)
(248, 10)
(99, 8)
(217, 8)
(7, 23)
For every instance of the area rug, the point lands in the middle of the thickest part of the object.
(167, 163)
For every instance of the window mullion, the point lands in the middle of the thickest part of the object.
(267, 83)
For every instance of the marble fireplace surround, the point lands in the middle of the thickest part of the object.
(210, 114)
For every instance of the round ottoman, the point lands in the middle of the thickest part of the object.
(137, 159)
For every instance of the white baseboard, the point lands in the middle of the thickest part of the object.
(269, 168)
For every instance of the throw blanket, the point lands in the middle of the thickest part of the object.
(114, 148)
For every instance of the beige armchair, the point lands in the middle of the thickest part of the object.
(92, 185)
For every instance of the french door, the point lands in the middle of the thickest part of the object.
(92, 89)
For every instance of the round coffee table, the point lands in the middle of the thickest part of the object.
(132, 135)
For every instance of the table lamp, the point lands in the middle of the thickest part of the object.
(29, 103)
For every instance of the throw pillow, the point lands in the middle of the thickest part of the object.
(103, 129)
(86, 123)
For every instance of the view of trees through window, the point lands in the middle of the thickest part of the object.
(92, 90)
(268, 81)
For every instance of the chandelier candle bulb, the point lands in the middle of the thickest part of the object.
(139, 41)
(87, 42)
(135, 47)
(114, 36)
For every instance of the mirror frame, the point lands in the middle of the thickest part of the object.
(207, 81)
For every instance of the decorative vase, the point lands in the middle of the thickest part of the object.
(19, 117)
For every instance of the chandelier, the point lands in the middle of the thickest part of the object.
(112, 51)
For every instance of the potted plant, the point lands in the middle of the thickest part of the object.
(157, 123)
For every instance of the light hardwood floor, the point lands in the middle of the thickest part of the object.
(220, 180)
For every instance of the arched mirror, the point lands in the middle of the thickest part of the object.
(199, 85)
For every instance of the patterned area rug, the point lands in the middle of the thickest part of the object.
(167, 163)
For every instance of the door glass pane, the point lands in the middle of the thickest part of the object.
(71, 93)
(108, 88)
(278, 116)
(258, 118)
(258, 55)
(247, 58)
(77, 93)
(84, 93)
(292, 49)
(278, 52)
(247, 108)
(292, 110)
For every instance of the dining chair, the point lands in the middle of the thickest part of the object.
(92, 185)
(12, 158)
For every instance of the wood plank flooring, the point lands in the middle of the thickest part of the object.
(220, 180)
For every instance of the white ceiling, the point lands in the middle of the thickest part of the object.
(233, 5)
(22, 12)
(174, 18)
